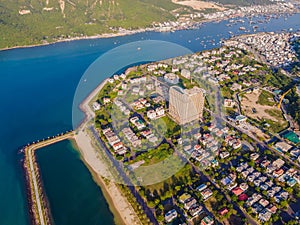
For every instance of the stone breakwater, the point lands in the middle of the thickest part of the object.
(38, 204)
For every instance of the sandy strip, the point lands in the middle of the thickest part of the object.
(199, 5)
(118, 203)
(84, 106)
(123, 211)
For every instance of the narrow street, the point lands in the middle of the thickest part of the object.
(148, 211)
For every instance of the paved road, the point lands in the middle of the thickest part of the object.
(206, 178)
(287, 117)
(246, 143)
(125, 178)
(236, 96)
(263, 145)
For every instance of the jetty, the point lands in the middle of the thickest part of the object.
(39, 209)
(38, 204)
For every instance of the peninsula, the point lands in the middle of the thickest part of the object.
(199, 139)
(242, 169)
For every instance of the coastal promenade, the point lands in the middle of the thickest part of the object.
(39, 209)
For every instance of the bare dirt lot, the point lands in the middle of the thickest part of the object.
(199, 5)
(261, 106)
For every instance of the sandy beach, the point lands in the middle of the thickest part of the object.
(84, 106)
(122, 209)
(117, 202)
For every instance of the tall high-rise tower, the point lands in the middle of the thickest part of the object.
(186, 105)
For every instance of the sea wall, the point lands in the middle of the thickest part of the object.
(39, 209)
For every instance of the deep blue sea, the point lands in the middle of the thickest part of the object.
(37, 86)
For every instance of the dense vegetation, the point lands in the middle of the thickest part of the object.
(51, 20)
(294, 105)
(78, 18)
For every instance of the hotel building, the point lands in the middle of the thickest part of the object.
(186, 105)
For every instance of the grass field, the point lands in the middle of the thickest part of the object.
(170, 186)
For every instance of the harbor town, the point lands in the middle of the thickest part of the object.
(220, 119)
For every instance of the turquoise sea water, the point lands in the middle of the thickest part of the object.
(37, 86)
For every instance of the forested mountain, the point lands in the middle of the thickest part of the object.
(25, 22)
(29, 21)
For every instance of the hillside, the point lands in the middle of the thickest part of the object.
(25, 22)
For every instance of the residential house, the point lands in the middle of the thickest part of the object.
(263, 202)
(184, 197)
(278, 163)
(264, 215)
(96, 106)
(223, 211)
(195, 209)
(207, 221)
(206, 193)
(201, 187)
(228, 102)
(189, 202)
(237, 191)
(170, 215)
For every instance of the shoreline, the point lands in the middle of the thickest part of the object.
(84, 105)
(123, 212)
(38, 204)
(39, 210)
(100, 182)
(108, 197)
(132, 32)
(99, 36)
(121, 209)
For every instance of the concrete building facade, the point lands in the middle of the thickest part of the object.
(186, 105)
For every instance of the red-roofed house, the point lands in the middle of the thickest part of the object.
(243, 197)
(237, 191)
(223, 211)
(278, 172)
(272, 209)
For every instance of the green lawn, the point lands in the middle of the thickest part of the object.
(181, 177)
(154, 156)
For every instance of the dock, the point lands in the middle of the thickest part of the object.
(39, 209)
